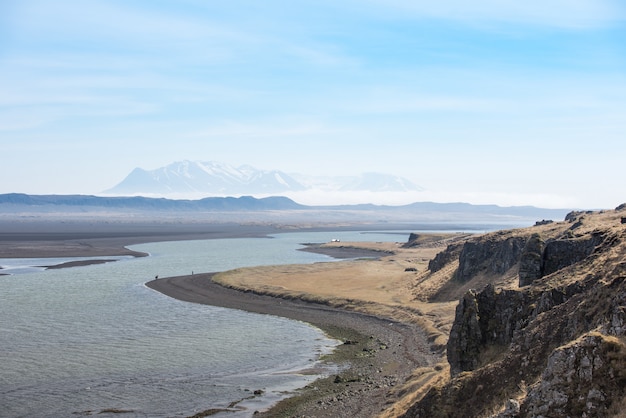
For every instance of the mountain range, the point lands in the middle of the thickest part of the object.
(22, 207)
(215, 178)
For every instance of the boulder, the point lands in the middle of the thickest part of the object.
(562, 253)
(491, 254)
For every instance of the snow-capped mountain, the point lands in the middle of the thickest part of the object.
(215, 178)
(186, 177)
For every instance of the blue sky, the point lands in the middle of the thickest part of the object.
(488, 101)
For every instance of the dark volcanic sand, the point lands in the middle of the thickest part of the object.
(343, 252)
(84, 239)
(380, 353)
(77, 264)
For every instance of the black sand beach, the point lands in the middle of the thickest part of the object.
(377, 353)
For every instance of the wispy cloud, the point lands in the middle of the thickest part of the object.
(572, 14)
(285, 128)
(421, 89)
(114, 20)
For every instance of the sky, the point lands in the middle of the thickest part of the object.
(486, 101)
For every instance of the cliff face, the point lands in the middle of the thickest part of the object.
(484, 319)
(582, 378)
(546, 335)
(493, 254)
(445, 257)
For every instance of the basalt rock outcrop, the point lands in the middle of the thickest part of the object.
(489, 254)
(484, 319)
(443, 258)
(561, 253)
(531, 260)
(581, 379)
(540, 258)
(546, 336)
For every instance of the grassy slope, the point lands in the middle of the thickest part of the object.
(385, 288)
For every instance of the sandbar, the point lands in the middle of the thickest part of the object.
(95, 239)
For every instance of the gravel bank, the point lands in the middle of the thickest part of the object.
(377, 353)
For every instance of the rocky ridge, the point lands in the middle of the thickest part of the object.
(540, 328)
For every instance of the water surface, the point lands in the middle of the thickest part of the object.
(87, 339)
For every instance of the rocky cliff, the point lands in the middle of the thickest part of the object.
(540, 330)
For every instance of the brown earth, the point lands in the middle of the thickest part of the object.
(555, 290)
(375, 289)
(378, 354)
(540, 329)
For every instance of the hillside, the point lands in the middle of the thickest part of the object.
(140, 203)
(527, 322)
(540, 329)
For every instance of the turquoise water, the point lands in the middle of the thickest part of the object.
(86, 339)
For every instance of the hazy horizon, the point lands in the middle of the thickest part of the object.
(481, 102)
(320, 195)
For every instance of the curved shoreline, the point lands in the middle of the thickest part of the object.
(379, 353)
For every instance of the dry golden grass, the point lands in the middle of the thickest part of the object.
(381, 287)
(399, 286)
(421, 380)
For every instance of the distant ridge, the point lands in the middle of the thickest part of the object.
(274, 203)
(460, 207)
(149, 203)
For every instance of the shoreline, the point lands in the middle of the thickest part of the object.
(377, 353)
(378, 360)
